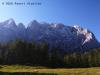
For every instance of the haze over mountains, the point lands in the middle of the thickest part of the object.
(56, 35)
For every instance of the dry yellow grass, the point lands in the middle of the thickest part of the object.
(58, 71)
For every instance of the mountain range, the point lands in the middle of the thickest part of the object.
(56, 35)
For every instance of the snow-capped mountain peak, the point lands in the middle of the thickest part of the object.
(10, 23)
(56, 35)
(57, 25)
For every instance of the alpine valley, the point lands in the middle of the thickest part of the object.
(53, 45)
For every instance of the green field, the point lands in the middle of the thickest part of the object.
(32, 70)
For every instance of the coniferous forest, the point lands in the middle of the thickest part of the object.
(26, 53)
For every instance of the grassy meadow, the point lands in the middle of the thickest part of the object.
(38, 70)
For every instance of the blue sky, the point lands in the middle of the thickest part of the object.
(85, 13)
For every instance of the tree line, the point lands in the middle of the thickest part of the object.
(27, 53)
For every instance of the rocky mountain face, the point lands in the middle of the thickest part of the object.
(57, 36)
